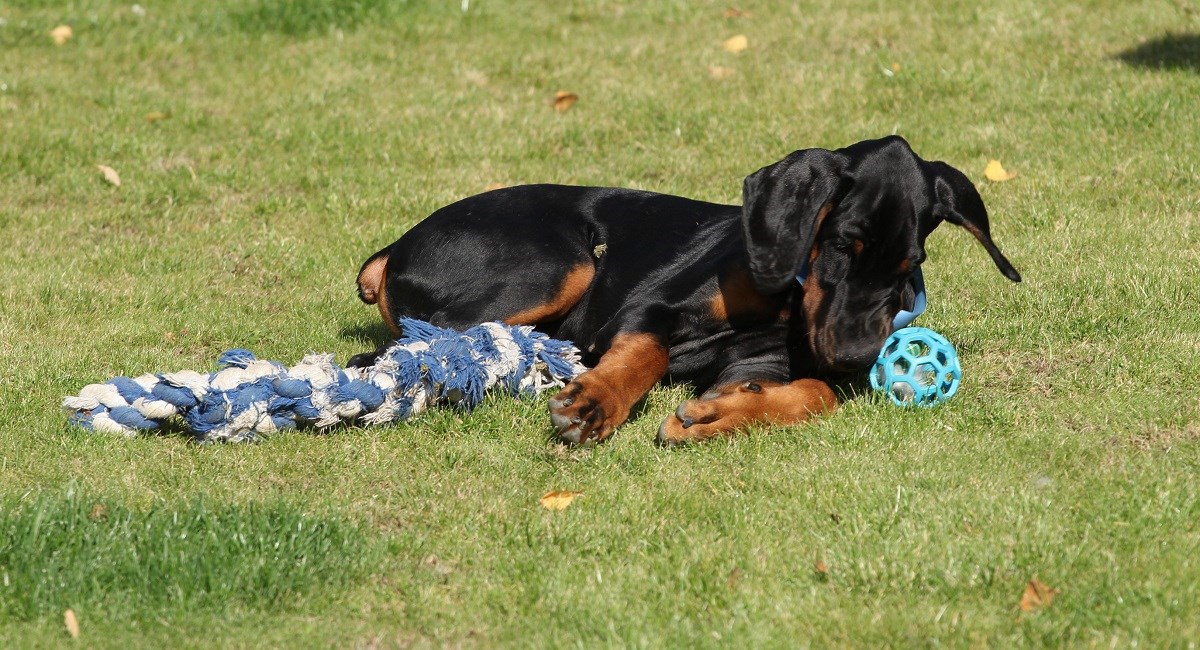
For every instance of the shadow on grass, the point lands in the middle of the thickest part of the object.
(851, 386)
(300, 17)
(97, 554)
(371, 336)
(1168, 52)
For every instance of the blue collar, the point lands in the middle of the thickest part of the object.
(904, 318)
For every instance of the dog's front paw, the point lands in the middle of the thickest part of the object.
(585, 411)
(732, 408)
(695, 420)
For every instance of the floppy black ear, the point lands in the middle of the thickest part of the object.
(959, 203)
(782, 208)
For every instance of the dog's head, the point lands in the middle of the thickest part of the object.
(855, 220)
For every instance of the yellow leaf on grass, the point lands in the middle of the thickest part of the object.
(110, 175)
(72, 623)
(719, 72)
(1037, 595)
(736, 44)
(558, 499)
(61, 34)
(564, 100)
(99, 511)
(996, 172)
(156, 116)
(734, 12)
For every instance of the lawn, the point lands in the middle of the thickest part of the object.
(266, 147)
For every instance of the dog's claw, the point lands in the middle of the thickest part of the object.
(569, 435)
(662, 440)
(581, 414)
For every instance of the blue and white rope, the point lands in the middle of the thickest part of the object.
(251, 397)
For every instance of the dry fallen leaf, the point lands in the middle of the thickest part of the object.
(99, 511)
(558, 499)
(735, 576)
(61, 34)
(156, 116)
(439, 568)
(895, 67)
(736, 44)
(1037, 594)
(821, 568)
(996, 172)
(110, 175)
(72, 623)
(564, 100)
(475, 77)
(734, 12)
(720, 72)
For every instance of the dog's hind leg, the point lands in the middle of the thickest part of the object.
(461, 293)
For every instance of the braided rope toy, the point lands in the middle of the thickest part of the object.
(250, 397)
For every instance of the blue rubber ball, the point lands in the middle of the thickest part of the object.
(917, 367)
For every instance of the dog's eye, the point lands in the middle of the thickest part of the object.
(753, 387)
(849, 246)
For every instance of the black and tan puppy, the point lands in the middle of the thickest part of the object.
(652, 286)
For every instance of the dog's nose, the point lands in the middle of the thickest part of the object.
(855, 358)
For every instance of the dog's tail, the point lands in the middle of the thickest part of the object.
(372, 276)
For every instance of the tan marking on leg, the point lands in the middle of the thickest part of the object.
(599, 400)
(371, 278)
(733, 408)
(574, 284)
(737, 297)
(383, 303)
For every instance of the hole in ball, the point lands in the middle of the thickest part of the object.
(926, 374)
(903, 391)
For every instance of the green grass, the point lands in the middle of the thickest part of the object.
(304, 136)
(114, 560)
